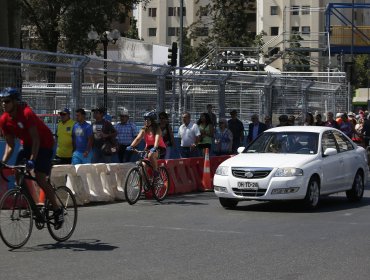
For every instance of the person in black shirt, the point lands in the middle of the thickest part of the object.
(237, 129)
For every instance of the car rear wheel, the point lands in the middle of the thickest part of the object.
(313, 194)
(228, 202)
(357, 190)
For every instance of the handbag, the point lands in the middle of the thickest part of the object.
(110, 146)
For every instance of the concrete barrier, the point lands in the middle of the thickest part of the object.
(65, 175)
(91, 183)
(119, 172)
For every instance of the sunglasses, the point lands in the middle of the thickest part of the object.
(63, 114)
(6, 101)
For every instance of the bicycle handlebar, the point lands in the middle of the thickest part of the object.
(141, 153)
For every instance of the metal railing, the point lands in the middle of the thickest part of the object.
(51, 81)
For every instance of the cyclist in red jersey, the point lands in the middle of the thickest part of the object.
(152, 134)
(19, 121)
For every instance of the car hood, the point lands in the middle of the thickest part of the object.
(269, 160)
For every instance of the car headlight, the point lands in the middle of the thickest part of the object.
(288, 172)
(222, 170)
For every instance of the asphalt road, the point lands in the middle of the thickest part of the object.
(192, 237)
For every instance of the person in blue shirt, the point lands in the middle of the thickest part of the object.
(126, 133)
(82, 137)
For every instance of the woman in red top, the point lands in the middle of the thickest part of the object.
(152, 134)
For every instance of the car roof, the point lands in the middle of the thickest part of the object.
(316, 129)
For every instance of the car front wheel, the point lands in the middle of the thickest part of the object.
(313, 194)
(228, 202)
(357, 190)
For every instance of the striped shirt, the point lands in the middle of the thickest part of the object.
(126, 133)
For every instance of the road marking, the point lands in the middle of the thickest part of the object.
(187, 229)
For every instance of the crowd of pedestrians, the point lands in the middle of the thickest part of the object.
(80, 142)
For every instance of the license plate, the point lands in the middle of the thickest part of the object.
(248, 186)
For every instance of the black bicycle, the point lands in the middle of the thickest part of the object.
(18, 211)
(140, 178)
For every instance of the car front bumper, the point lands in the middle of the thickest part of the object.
(269, 188)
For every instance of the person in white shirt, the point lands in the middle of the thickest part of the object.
(189, 134)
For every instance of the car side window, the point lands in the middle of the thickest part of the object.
(343, 143)
(328, 141)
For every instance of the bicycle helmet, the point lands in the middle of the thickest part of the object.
(152, 115)
(10, 92)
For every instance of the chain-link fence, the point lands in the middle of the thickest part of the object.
(51, 81)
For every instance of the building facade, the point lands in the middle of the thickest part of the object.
(159, 21)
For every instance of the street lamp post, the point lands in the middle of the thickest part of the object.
(105, 38)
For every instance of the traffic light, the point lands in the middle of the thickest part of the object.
(172, 55)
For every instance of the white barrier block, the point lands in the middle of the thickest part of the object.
(119, 170)
(65, 175)
(91, 182)
(118, 190)
(108, 183)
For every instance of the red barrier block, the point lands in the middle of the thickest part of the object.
(172, 189)
(4, 185)
(181, 175)
(196, 165)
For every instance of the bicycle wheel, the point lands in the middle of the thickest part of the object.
(160, 188)
(16, 219)
(67, 200)
(133, 185)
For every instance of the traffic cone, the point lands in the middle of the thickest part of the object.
(206, 180)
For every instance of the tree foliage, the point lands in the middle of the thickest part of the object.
(71, 20)
(228, 27)
(362, 71)
(297, 60)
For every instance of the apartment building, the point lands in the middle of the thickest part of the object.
(159, 21)
(280, 19)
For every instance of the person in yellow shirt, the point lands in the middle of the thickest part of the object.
(64, 137)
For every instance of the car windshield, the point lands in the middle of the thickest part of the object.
(285, 142)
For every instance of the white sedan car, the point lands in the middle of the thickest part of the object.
(293, 163)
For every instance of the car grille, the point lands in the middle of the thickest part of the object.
(258, 173)
(259, 192)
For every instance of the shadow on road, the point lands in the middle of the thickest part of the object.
(327, 204)
(74, 245)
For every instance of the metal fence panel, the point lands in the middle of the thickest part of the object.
(51, 81)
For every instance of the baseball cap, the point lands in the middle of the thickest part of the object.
(123, 112)
(65, 110)
(233, 112)
(98, 109)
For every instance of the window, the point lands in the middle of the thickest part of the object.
(273, 50)
(343, 143)
(201, 31)
(152, 12)
(274, 10)
(203, 11)
(274, 30)
(183, 11)
(295, 29)
(175, 11)
(171, 11)
(152, 32)
(173, 31)
(328, 141)
(306, 30)
(295, 10)
(306, 10)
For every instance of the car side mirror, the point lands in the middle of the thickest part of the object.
(330, 152)
(240, 150)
